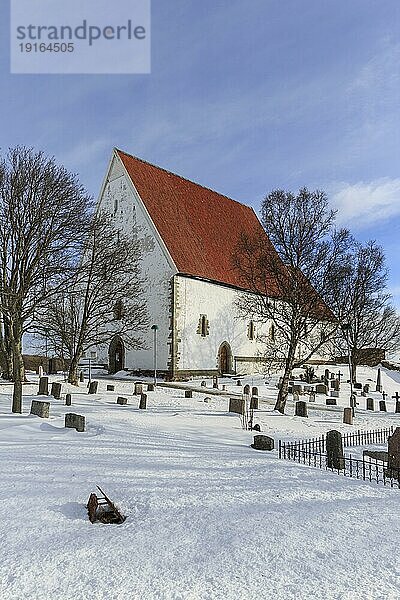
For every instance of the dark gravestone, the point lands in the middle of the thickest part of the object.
(330, 402)
(370, 404)
(43, 386)
(254, 403)
(150, 387)
(68, 400)
(81, 377)
(327, 373)
(56, 390)
(334, 450)
(138, 389)
(40, 409)
(74, 421)
(296, 396)
(110, 388)
(254, 391)
(334, 394)
(246, 390)
(298, 388)
(122, 401)
(203, 384)
(238, 382)
(93, 387)
(52, 366)
(357, 386)
(394, 454)
(256, 427)
(263, 442)
(366, 388)
(348, 416)
(223, 387)
(143, 401)
(215, 382)
(382, 405)
(301, 409)
(237, 405)
(336, 386)
(321, 388)
(188, 394)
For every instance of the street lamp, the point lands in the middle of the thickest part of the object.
(155, 329)
(346, 333)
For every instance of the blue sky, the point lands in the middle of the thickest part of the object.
(244, 96)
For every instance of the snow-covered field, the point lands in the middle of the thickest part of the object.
(208, 517)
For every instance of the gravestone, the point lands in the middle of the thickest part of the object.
(256, 427)
(246, 390)
(93, 387)
(223, 387)
(43, 386)
(330, 402)
(81, 377)
(40, 409)
(68, 400)
(370, 404)
(357, 386)
(238, 382)
(298, 388)
(150, 387)
(56, 390)
(254, 403)
(110, 388)
(312, 396)
(366, 388)
(188, 394)
(296, 396)
(348, 416)
(326, 373)
(207, 400)
(215, 382)
(334, 450)
(332, 384)
(394, 454)
(301, 409)
(40, 371)
(237, 405)
(122, 401)
(334, 394)
(321, 388)
(254, 391)
(74, 421)
(263, 442)
(382, 405)
(203, 384)
(138, 389)
(143, 402)
(332, 375)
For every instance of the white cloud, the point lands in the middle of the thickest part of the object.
(364, 203)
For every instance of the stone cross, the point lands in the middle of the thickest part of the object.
(340, 374)
(397, 399)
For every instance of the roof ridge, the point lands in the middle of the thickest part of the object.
(146, 162)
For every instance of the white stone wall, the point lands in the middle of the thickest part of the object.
(217, 302)
(119, 198)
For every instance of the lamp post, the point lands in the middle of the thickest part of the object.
(155, 329)
(346, 330)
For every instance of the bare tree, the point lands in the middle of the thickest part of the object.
(6, 361)
(285, 272)
(359, 297)
(43, 218)
(103, 299)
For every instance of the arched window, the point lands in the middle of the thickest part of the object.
(251, 331)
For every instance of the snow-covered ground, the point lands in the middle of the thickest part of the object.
(208, 517)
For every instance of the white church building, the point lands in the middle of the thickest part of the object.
(188, 234)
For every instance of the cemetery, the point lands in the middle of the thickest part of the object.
(207, 469)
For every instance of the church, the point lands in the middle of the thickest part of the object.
(188, 234)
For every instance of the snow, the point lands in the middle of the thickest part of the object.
(208, 517)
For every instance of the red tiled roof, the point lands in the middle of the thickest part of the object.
(200, 228)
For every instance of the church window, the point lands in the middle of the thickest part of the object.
(119, 311)
(251, 331)
(203, 326)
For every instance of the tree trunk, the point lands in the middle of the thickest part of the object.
(283, 390)
(18, 373)
(73, 375)
(353, 369)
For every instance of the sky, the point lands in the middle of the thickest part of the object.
(244, 96)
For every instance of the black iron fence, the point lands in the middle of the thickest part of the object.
(313, 453)
(356, 438)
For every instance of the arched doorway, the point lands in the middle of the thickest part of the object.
(116, 355)
(225, 358)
